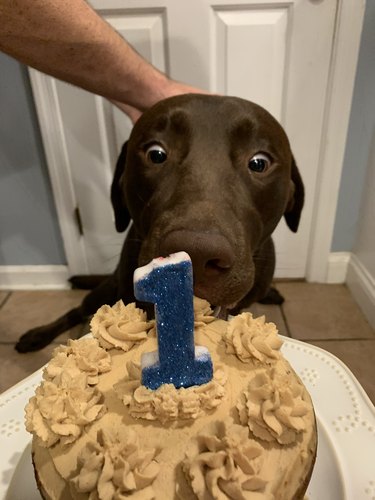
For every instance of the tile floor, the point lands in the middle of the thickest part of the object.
(323, 315)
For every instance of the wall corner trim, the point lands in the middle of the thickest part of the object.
(337, 268)
(361, 283)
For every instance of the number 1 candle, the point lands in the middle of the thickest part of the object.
(168, 283)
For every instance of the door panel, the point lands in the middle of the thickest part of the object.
(275, 53)
(250, 55)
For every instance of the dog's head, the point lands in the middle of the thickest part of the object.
(212, 176)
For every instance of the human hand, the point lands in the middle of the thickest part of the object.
(169, 89)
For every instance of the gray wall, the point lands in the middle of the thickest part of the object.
(29, 231)
(358, 146)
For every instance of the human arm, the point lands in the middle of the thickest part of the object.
(67, 39)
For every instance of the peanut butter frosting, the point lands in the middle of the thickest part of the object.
(84, 355)
(168, 403)
(273, 406)
(120, 326)
(221, 462)
(203, 313)
(252, 338)
(114, 466)
(99, 434)
(62, 407)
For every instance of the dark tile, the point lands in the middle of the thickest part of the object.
(322, 312)
(28, 309)
(14, 367)
(3, 297)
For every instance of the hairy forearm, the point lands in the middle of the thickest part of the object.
(68, 40)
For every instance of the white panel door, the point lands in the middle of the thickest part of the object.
(90, 133)
(250, 54)
(276, 53)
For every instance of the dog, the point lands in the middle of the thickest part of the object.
(212, 176)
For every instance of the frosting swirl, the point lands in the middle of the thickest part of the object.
(273, 407)
(222, 462)
(203, 313)
(168, 403)
(252, 338)
(84, 355)
(62, 407)
(114, 467)
(120, 326)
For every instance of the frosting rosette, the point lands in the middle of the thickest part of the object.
(120, 326)
(61, 408)
(252, 338)
(273, 407)
(84, 355)
(168, 403)
(114, 467)
(203, 313)
(222, 462)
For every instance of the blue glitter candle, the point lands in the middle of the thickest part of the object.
(168, 283)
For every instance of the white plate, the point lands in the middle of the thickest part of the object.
(345, 466)
(23, 485)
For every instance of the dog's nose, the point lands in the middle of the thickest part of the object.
(211, 253)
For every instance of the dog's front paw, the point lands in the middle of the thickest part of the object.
(33, 340)
(87, 281)
(272, 297)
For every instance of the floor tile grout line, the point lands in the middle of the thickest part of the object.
(283, 315)
(5, 299)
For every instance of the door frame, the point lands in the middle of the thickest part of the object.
(344, 56)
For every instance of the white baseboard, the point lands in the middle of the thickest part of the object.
(338, 263)
(34, 277)
(362, 285)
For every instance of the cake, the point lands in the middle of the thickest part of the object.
(181, 407)
(98, 433)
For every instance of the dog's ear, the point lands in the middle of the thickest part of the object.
(122, 216)
(296, 199)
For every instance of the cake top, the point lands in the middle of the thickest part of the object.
(69, 398)
(232, 437)
(183, 405)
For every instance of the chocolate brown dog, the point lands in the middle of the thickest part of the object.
(206, 174)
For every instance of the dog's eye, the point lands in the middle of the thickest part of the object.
(259, 162)
(156, 153)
